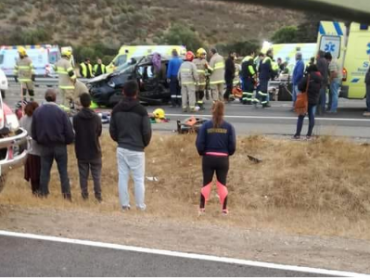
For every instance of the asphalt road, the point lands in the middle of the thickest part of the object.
(278, 120)
(20, 257)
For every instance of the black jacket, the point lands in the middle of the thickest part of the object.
(51, 126)
(314, 87)
(88, 129)
(130, 125)
(367, 78)
(229, 69)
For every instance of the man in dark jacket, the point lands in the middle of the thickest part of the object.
(88, 129)
(130, 127)
(322, 65)
(367, 82)
(52, 130)
(229, 74)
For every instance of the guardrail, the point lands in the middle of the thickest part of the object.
(41, 82)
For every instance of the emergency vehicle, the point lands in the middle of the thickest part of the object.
(43, 58)
(127, 52)
(350, 45)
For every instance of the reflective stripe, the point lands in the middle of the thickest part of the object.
(201, 71)
(61, 70)
(25, 80)
(217, 154)
(188, 83)
(262, 93)
(69, 69)
(185, 70)
(67, 87)
(173, 96)
(219, 65)
(201, 84)
(251, 70)
(217, 82)
(25, 67)
(74, 77)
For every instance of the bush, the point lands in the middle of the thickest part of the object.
(286, 34)
(182, 35)
(242, 48)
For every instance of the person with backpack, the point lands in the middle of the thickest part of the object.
(216, 142)
(312, 82)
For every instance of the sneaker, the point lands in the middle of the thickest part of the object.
(266, 105)
(126, 208)
(308, 138)
(366, 114)
(201, 212)
(85, 196)
(296, 137)
(67, 196)
(225, 212)
(99, 198)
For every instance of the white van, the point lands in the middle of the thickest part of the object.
(43, 58)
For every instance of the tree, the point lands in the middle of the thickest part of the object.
(242, 48)
(182, 35)
(287, 34)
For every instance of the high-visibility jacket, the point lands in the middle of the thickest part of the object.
(201, 65)
(100, 69)
(217, 67)
(86, 70)
(188, 74)
(266, 70)
(24, 69)
(66, 74)
(248, 67)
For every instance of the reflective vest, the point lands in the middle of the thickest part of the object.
(248, 67)
(201, 65)
(66, 74)
(86, 70)
(188, 74)
(24, 69)
(217, 67)
(266, 71)
(100, 69)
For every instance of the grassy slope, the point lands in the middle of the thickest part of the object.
(116, 21)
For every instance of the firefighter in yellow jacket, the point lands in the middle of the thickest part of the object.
(217, 78)
(188, 78)
(24, 73)
(202, 66)
(67, 78)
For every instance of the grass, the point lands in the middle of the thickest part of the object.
(319, 187)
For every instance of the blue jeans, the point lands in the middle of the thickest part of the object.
(48, 154)
(368, 97)
(311, 116)
(175, 90)
(134, 162)
(295, 93)
(334, 91)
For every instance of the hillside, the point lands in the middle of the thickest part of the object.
(114, 22)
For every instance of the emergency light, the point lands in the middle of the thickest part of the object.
(364, 26)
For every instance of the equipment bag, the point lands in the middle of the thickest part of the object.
(301, 104)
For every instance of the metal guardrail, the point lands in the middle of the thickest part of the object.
(41, 82)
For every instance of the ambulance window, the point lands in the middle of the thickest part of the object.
(331, 44)
(53, 57)
(1, 58)
(121, 60)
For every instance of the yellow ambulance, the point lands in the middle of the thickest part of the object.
(127, 52)
(350, 45)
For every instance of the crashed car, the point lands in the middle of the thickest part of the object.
(13, 140)
(106, 90)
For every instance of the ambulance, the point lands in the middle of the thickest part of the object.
(350, 46)
(127, 52)
(43, 58)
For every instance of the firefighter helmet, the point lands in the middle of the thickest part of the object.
(200, 52)
(189, 56)
(22, 51)
(67, 53)
(159, 113)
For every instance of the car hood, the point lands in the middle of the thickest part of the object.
(99, 78)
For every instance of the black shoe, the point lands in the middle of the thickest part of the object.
(99, 198)
(85, 196)
(266, 105)
(67, 196)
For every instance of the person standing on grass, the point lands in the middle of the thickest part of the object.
(52, 130)
(32, 168)
(130, 127)
(88, 129)
(216, 142)
(314, 80)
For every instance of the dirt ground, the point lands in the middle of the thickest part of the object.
(306, 203)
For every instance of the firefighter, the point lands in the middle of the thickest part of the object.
(24, 73)
(217, 78)
(267, 71)
(67, 78)
(188, 78)
(202, 66)
(99, 68)
(86, 69)
(249, 75)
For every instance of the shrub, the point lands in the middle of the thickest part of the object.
(182, 35)
(286, 34)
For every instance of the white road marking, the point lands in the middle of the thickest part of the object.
(183, 255)
(271, 118)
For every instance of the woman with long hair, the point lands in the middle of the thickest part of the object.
(32, 168)
(216, 141)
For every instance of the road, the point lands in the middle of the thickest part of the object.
(29, 257)
(278, 120)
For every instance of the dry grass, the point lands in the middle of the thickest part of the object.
(319, 187)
